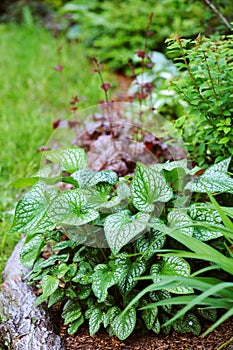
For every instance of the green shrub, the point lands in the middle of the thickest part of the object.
(205, 83)
(115, 29)
(106, 232)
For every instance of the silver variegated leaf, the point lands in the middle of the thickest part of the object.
(121, 228)
(31, 209)
(124, 324)
(156, 327)
(149, 186)
(96, 199)
(172, 266)
(214, 179)
(149, 316)
(161, 295)
(129, 271)
(70, 159)
(96, 318)
(103, 278)
(89, 178)
(151, 241)
(189, 324)
(110, 315)
(203, 214)
(69, 208)
(179, 218)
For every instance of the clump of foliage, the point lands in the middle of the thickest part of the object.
(88, 245)
(115, 29)
(205, 83)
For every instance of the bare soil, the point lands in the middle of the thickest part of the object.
(150, 341)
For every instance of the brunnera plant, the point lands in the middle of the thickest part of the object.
(88, 246)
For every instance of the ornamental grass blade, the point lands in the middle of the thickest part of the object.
(202, 250)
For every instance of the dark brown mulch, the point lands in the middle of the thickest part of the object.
(137, 341)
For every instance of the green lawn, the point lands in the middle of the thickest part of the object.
(33, 95)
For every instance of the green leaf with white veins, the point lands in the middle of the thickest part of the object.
(130, 271)
(151, 241)
(179, 218)
(70, 159)
(31, 208)
(103, 278)
(149, 186)
(96, 198)
(214, 179)
(124, 324)
(89, 178)
(172, 266)
(97, 317)
(121, 228)
(205, 215)
(69, 208)
(149, 315)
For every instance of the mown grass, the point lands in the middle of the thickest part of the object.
(33, 95)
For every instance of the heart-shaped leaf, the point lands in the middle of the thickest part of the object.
(103, 278)
(161, 295)
(156, 327)
(84, 273)
(110, 315)
(149, 316)
(179, 218)
(99, 199)
(190, 324)
(129, 271)
(203, 214)
(121, 228)
(172, 266)
(151, 241)
(31, 209)
(97, 317)
(89, 178)
(56, 296)
(69, 208)
(149, 186)
(123, 324)
(208, 314)
(214, 179)
(70, 159)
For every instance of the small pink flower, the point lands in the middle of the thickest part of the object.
(58, 68)
(105, 86)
